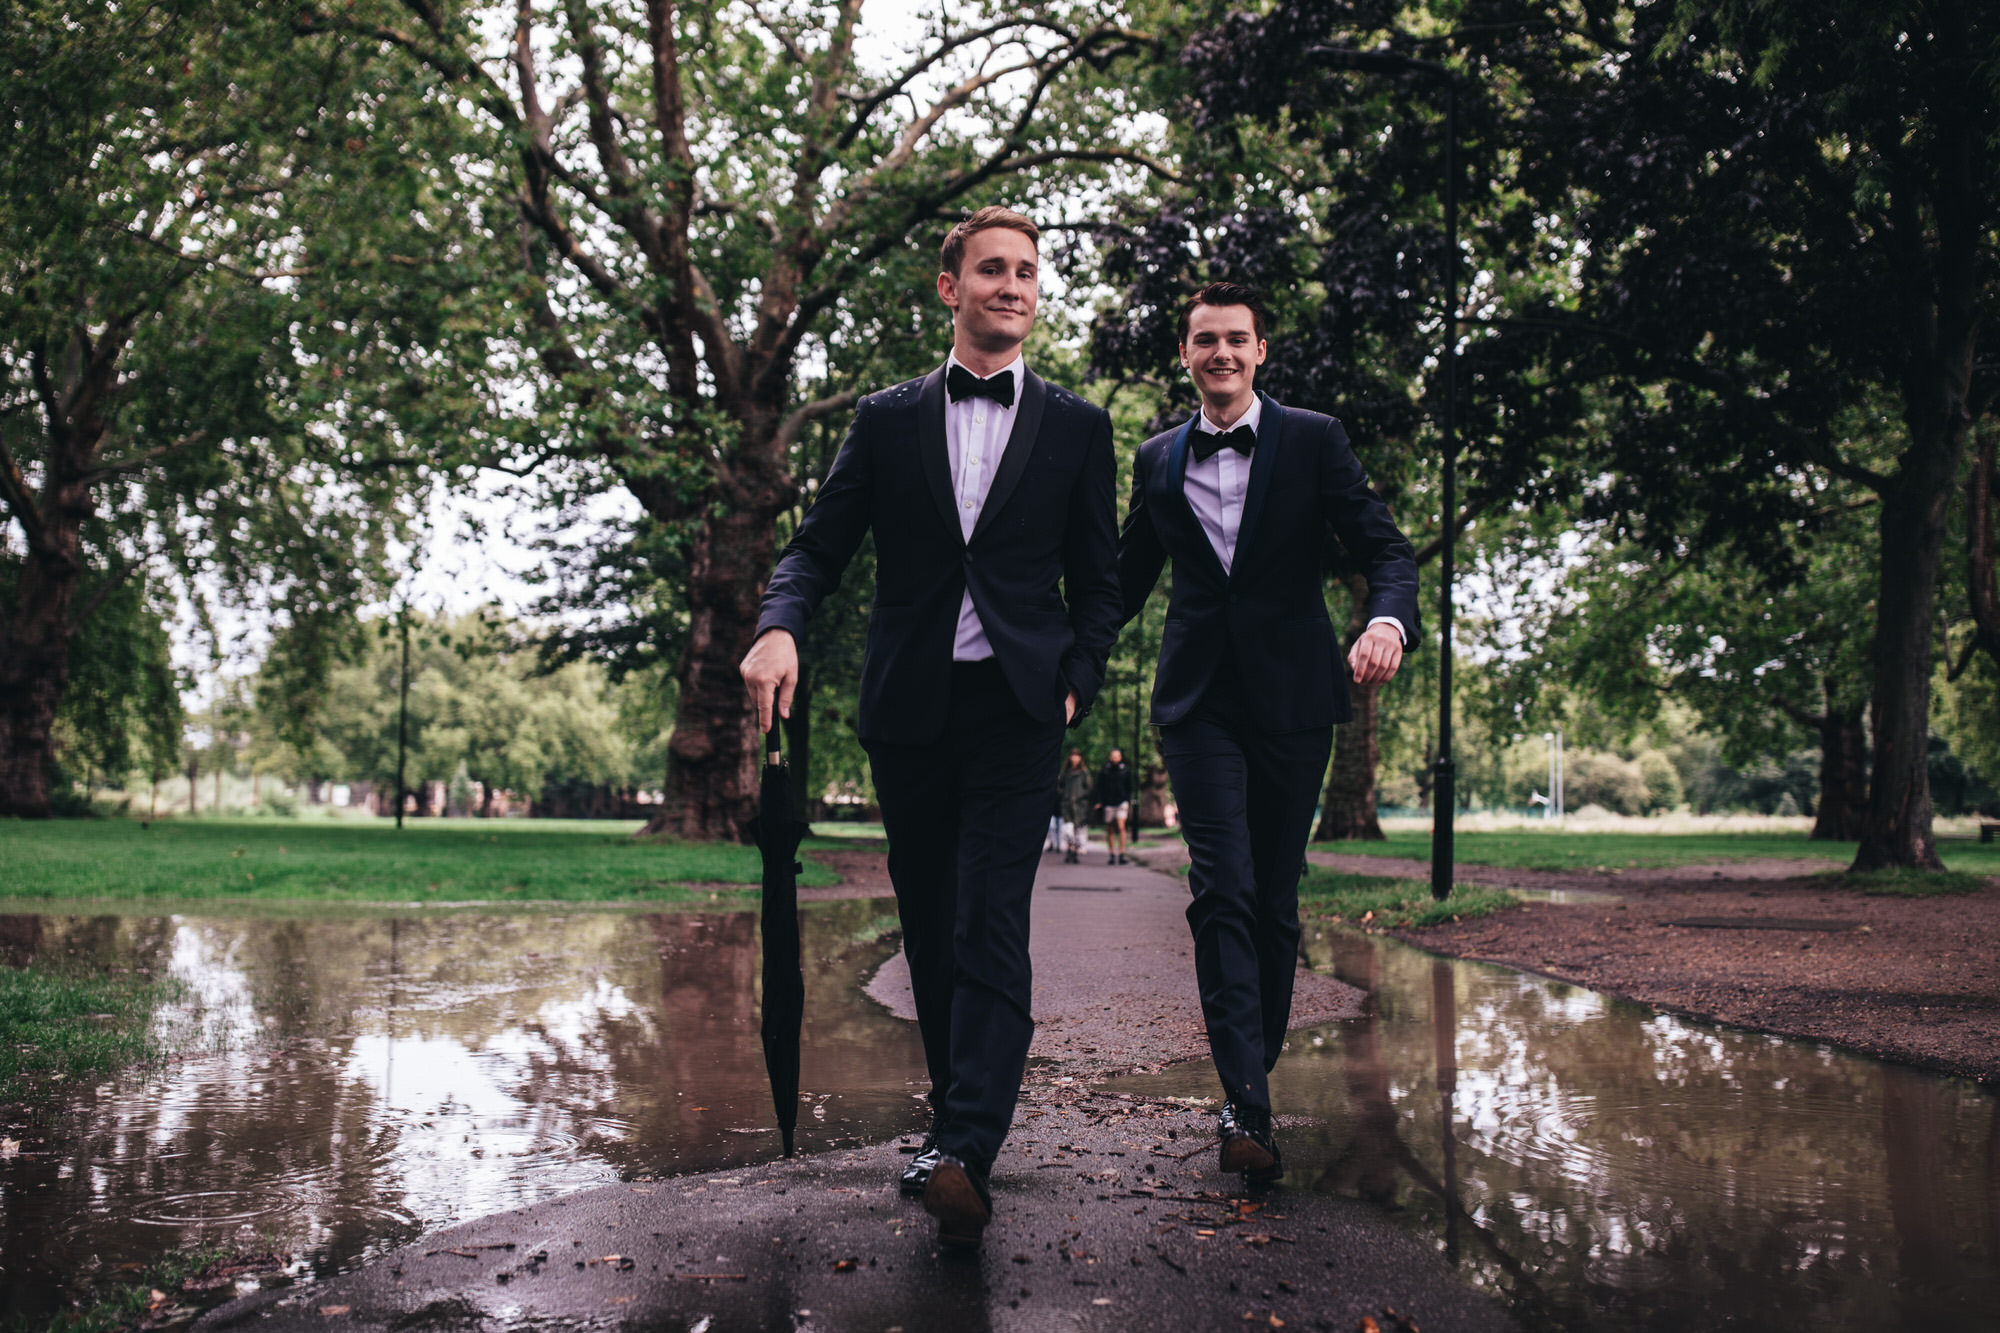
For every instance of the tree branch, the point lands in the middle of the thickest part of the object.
(137, 461)
(800, 418)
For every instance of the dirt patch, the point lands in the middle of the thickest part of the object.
(1916, 980)
(864, 873)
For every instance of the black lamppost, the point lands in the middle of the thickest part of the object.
(1443, 796)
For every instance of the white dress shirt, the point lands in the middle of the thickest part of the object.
(1216, 486)
(976, 431)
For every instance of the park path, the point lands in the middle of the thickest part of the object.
(1110, 1213)
(1114, 974)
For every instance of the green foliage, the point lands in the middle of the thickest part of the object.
(60, 1028)
(366, 861)
(1394, 902)
(1967, 716)
(479, 700)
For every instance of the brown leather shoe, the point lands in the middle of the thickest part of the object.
(958, 1198)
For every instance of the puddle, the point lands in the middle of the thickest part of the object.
(1569, 897)
(1607, 1167)
(381, 1076)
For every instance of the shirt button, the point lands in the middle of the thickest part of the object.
(968, 504)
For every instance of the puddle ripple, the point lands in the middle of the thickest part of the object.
(366, 1079)
(1612, 1168)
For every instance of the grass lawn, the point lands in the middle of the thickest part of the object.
(1613, 851)
(60, 1029)
(1392, 902)
(277, 860)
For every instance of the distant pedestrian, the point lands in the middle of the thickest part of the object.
(1073, 788)
(1114, 793)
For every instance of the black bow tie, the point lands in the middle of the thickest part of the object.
(962, 383)
(1208, 443)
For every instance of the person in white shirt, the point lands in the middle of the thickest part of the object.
(992, 496)
(1241, 497)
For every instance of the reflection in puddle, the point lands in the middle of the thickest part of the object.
(379, 1077)
(1609, 1167)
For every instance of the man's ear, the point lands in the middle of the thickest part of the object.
(947, 288)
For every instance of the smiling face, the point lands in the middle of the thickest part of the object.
(992, 296)
(1222, 353)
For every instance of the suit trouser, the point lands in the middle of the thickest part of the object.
(1246, 802)
(966, 817)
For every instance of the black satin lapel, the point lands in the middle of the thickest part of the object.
(1193, 536)
(932, 449)
(1263, 462)
(1020, 447)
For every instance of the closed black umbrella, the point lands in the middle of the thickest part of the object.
(778, 831)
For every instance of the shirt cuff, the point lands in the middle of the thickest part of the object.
(1391, 620)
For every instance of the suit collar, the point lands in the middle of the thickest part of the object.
(1192, 536)
(932, 450)
(1263, 462)
(1020, 447)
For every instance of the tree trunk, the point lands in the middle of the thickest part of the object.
(1843, 773)
(1898, 829)
(1349, 810)
(34, 664)
(713, 758)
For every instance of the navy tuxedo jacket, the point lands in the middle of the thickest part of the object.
(1041, 563)
(1267, 610)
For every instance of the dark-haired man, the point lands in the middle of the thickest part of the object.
(1241, 497)
(991, 494)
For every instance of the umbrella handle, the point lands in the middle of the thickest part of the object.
(774, 750)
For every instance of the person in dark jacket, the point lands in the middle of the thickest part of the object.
(1074, 788)
(991, 494)
(1114, 793)
(1243, 496)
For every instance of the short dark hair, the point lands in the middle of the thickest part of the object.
(1229, 293)
(993, 215)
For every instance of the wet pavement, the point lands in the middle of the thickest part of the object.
(1478, 1144)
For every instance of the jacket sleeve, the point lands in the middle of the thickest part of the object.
(1369, 533)
(1141, 554)
(811, 566)
(1090, 567)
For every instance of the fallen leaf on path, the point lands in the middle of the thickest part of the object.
(331, 1310)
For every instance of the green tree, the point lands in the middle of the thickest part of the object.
(708, 203)
(179, 396)
(481, 701)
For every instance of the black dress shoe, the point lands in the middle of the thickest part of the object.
(918, 1173)
(1248, 1144)
(958, 1197)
